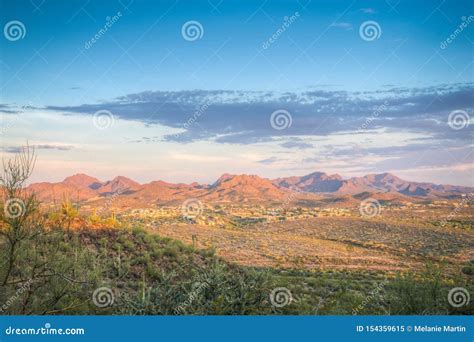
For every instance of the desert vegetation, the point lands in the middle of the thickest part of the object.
(63, 261)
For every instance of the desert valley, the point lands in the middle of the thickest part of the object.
(237, 158)
(317, 221)
(316, 244)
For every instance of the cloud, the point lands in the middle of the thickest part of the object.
(18, 149)
(342, 25)
(7, 109)
(269, 161)
(296, 144)
(14, 109)
(198, 158)
(368, 10)
(243, 117)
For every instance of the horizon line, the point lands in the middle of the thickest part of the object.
(342, 178)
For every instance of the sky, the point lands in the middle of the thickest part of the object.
(185, 91)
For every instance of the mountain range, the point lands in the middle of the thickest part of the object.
(320, 182)
(316, 186)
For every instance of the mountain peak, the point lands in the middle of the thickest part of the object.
(239, 179)
(382, 176)
(224, 177)
(387, 175)
(313, 182)
(82, 180)
(322, 176)
(245, 187)
(122, 179)
(384, 179)
(119, 183)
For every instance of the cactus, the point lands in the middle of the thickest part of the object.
(118, 262)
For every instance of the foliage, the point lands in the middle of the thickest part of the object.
(49, 266)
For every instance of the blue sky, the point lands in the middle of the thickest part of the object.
(190, 110)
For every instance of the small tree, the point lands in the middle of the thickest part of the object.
(39, 265)
(18, 209)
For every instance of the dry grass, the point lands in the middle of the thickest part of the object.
(330, 243)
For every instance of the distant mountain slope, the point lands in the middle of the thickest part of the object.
(49, 192)
(163, 192)
(118, 184)
(319, 182)
(245, 188)
(314, 182)
(82, 180)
